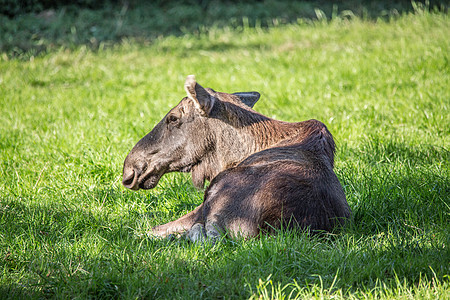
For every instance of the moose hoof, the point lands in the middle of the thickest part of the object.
(212, 232)
(197, 233)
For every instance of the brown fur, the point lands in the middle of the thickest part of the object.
(263, 172)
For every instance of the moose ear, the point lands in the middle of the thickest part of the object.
(248, 98)
(203, 101)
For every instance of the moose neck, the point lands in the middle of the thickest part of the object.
(256, 134)
(238, 134)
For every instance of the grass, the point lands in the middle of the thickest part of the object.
(69, 117)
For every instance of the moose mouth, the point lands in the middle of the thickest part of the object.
(145, 182)
(149, 182)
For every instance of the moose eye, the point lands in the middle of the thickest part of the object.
(172, 119)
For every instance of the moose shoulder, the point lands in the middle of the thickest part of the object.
(263, 172)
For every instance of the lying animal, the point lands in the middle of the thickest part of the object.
(263, 173)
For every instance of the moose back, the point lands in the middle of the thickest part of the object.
(263, 173)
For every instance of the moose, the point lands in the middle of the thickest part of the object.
(264, 174)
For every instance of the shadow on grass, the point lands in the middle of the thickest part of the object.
(144, 21)
(101, 257)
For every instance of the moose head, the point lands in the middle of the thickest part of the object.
(187, 139)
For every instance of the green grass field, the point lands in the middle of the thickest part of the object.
(68, 118)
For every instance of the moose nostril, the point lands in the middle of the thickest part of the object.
(128, 179)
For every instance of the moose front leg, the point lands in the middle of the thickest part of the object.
(178, 226)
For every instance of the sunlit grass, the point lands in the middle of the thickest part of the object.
(67, 120)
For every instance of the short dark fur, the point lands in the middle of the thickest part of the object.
(263, 172)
